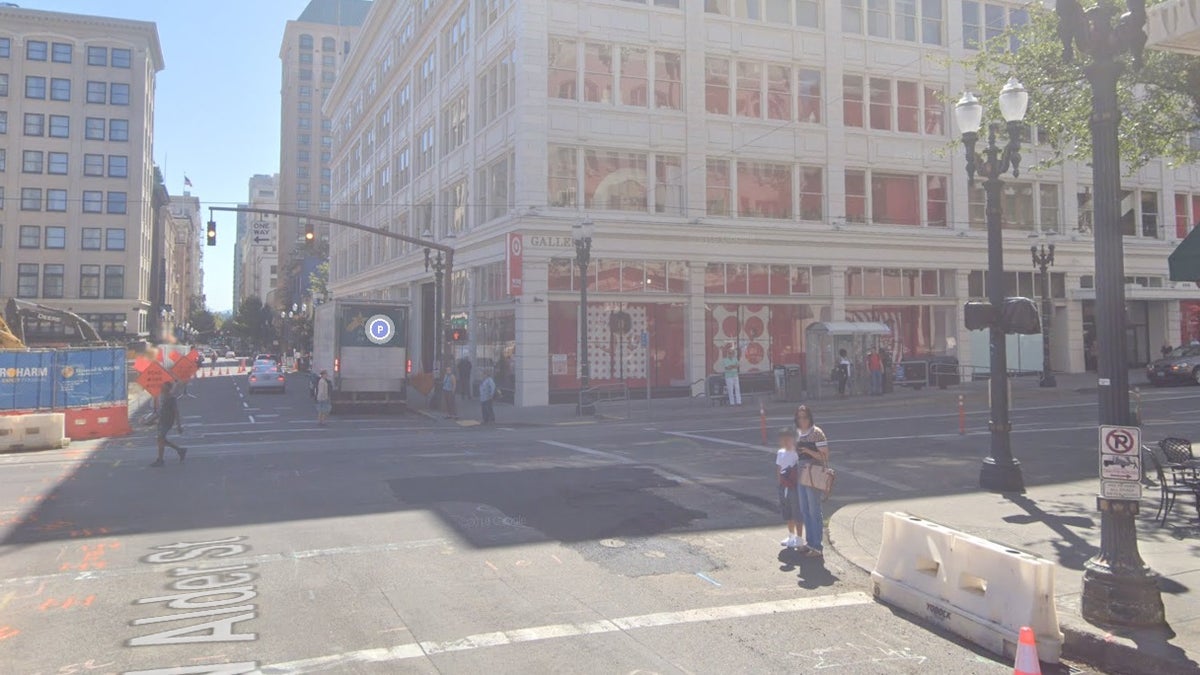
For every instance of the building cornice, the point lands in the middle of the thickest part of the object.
(147, 30)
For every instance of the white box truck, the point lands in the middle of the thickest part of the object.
(364, 346)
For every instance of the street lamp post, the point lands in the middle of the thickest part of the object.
(1000, 471)
(1043, 260)
(1118, 587)
(581, 233)
(438, 263)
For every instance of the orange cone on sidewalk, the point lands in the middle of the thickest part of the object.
(1027, 657)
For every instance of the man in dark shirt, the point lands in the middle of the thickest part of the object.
(168, 416)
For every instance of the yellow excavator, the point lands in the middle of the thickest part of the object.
(17, 312)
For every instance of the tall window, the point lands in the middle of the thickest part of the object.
(426, 72)
(35, 87)
(31, 199)
(597, 73)
(764, 190)
(562, 187)
(118, 130)
(56, 236)
(749, 89)
(808, 95)
(881, 104)
(456, 40)
(93, 200)
(1048, 220)
(935, 111)
(60, 89)
(635, 76)
(89, 239)
(97, 92)
(668, 80)
(668, 184)
(121, 58)
(89, 281)
(116, 202)
(114, 239)
(3, 85)
(35, 124)
(425, 149)
(563, 79)
(32, 161)
(614, 180)
(56, 199)
(856, 196)
(716, 86)
(114, 281)
(118, 94)
(31, 236)
(779, 92)
(497, 90)
(52, 281)
(454, 124)
(27, 280)
(97, 56)
(852, 100)
(93, 165)
(35, 50)
(895, 199)
(936, 196)
(718, 188)
(812, 193)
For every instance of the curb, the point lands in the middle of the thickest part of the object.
(1085, 645)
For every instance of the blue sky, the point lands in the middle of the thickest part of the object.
(217, 107)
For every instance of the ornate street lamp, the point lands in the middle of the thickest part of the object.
(1118, 587)
(1000, 471)
(581, 233)
(1043, 260)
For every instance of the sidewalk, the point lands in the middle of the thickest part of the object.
(1079, 387)
(1060, 523)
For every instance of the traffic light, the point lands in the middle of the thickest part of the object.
(458, 335)
(309, 235)
(212, 233)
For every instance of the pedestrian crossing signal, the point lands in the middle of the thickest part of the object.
(458, 335)
(211, 235)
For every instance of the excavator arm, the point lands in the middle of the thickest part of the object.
(17, 311)
(7, 339)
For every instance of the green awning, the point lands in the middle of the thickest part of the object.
(1185, 260)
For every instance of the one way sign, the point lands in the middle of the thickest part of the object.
(263, 233)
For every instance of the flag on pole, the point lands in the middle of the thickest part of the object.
(187, 182)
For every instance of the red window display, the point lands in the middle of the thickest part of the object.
(716, 86)
(764, 190)
(895, 199)
(614, 356)
(763, 335)
(1189, 321)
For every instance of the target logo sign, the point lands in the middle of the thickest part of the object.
(514, 254)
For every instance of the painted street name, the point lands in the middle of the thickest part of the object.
(209, 600)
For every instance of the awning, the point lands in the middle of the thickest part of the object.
(850, 328)
(1185, 260)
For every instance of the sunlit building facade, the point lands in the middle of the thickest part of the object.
(751, 168)
(77, 204)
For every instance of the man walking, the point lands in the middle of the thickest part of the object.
(875, 366)
(733, 385)
(487, 395)
(168, 416)
(324, 403)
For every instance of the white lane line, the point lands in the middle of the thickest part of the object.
(852, 472)
(251, 418)
(415, 650)
(97, 575)
(595, 453)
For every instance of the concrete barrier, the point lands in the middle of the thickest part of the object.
(972, 587)
(33, 431)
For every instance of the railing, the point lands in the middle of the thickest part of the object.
(605, 393)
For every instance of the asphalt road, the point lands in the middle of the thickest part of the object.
(401, 544)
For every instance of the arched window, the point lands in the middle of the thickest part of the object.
(306, 41)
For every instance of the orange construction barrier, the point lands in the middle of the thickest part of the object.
(1027, 659)
(89, 423)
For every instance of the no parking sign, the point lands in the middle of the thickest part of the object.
(1120, 462)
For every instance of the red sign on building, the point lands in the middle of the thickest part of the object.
(513, 257)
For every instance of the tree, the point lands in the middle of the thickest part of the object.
(252, 321)
(1160, 102)
(318, 281)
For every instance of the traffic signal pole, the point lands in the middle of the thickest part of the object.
(444, 320)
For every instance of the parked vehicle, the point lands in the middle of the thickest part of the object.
(266, 377)
(266, 357)
(1181, 365)
(364, 346)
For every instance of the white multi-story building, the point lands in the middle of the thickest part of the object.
(259, 255)
(186, 269)
(751, 167)
(76, 142)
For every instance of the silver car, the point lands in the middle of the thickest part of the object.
(266, 377)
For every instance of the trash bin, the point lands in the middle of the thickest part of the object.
(793, 384)
(943, 371)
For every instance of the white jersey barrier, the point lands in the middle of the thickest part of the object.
(972, 587)
(35, 431)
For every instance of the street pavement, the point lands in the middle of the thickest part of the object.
(417, 544)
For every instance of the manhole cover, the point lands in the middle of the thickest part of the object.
(612, 543)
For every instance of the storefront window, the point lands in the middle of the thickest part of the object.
(496, 345)
(763, 335)
(656, 276)
(618, 357)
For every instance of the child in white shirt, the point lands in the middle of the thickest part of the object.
(786, 461)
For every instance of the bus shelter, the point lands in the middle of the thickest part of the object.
(823, 341)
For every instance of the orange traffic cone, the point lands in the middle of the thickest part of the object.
(1027, 657)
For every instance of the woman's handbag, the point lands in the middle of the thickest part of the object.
(818, 477)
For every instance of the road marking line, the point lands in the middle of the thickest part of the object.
(251, 418)
(596, 453)
(852, 472)
(709, 579)
(564, 630)
(96, 575)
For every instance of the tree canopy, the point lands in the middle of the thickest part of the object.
(1160, 102)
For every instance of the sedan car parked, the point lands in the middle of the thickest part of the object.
(267, 377)
(1181, 365)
